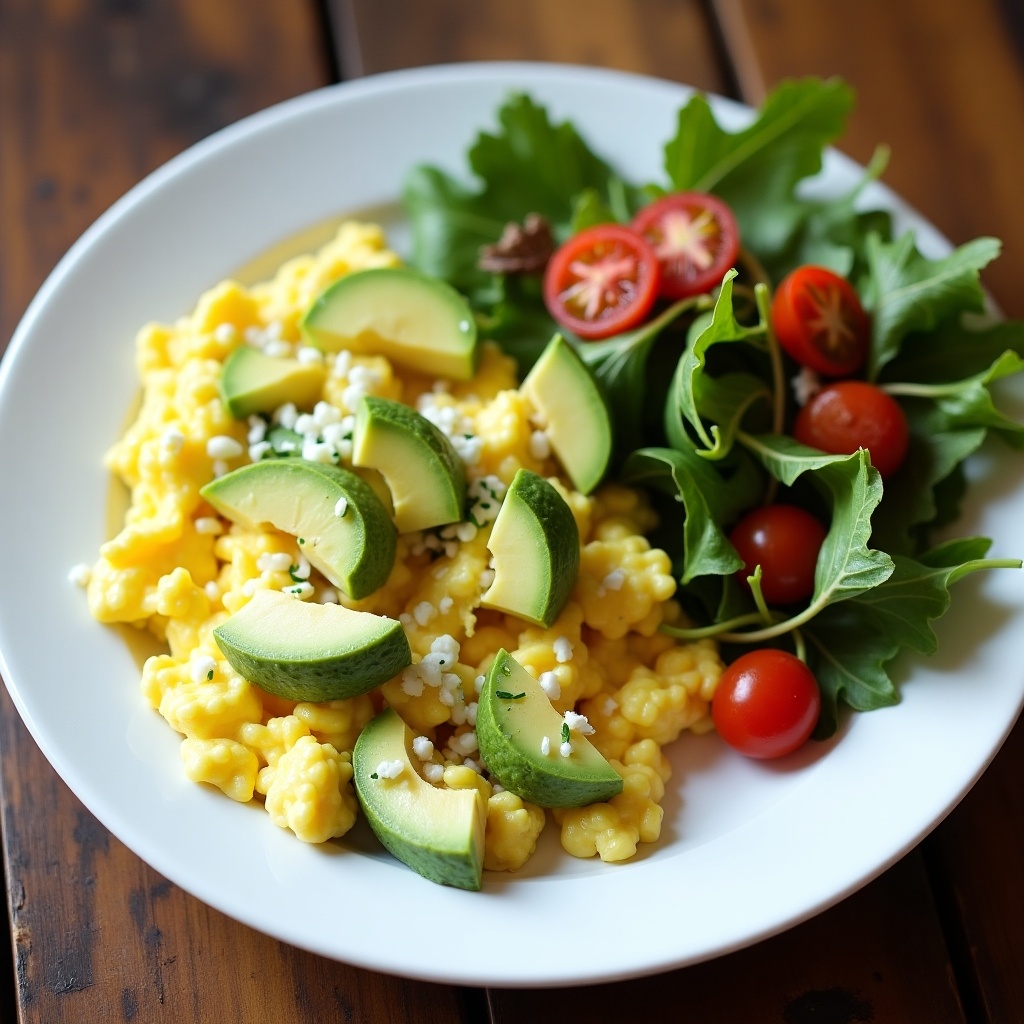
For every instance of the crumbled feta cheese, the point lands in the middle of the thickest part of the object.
(309, 356)
(466, 532)
(220, 467)
(423, 748)
(317, 451)
(257, 430)
(274, 561)
(614, 580)
(433, 772)
(303, 591)
(390, 769)
(277, 349)
(259, 450)
(80, 574)
(341, 363)
(172, 441)
(563, 649)
(464, 743)
(471, 710)
(201, 667)
(486, 578)
(478, 683)
(223, 447)
(545, 745)
(445, 605)
(578, 723)
(540, 446)
(341, 507)
(286, 415)
(424, 612)
(549, 684)
(565, 749)
(209, 525)
(328, 596)
(412, 682)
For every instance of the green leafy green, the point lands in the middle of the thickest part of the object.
(756, 170)
(908, 292)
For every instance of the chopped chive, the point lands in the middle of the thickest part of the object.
(565, 732)
(505, 695)
(209, 675)
(374, 775)
(292, 570)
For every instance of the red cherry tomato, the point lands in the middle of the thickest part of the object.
(818, 319)
(696, 239)
(602, 281)
(784, 540)
(766, 704)
(852, 414)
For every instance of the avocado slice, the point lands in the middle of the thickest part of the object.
(439, 833)
(423, 471)
(514, 719)
(342, 527)
(304, 651)
(413, 319)
(536, 547)
(562, 389)
(253, 382)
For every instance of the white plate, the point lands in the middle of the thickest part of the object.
(748, 849)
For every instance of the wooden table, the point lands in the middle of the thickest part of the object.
(95, 94)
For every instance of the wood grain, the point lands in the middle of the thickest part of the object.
(668, 38)
(945, 92)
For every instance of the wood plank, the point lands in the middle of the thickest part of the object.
(944, 92)
(668, 38)
(92, 97)
(941, 93)
(877, 956)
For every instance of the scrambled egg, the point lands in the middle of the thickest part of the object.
(178, 570)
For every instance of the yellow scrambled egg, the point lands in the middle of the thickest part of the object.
(178, 570)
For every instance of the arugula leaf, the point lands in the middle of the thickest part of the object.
(908, 292)
(852, 642)
(682, 407)
(709, 499)
(757, 169)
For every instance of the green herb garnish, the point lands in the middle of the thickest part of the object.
(505, 695)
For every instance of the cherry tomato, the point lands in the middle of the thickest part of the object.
(602, 281)
(696, 239)
(852, 414)
(766, 704)
(818, 319)
(784, 540)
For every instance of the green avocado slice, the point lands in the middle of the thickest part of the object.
(536, 547)
(576, 418)
(439, 833)
(423, 471)
(253, 382)
(304, 651)
(520, 736)
(400, 313)
(341, 525)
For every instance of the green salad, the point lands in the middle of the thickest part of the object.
(759, 347)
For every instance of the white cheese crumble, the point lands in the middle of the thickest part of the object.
(390, 769)
(257, 430)
(80, 574)
(424, 612)
(464, 743)
(563, 649)
(578, 723)
(201, 668)
(545, 745)
(209, 525)
(303, 591)
(423, 748)
(341, 507)
(433, 772)
(565, 749)
(220, 446)
(328, 596)
(258, 450)
(309, 356)
(274, 561)
(550, 685)
(540, 445)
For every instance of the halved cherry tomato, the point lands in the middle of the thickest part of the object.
(818, 319)
(852, 414)
(766, 704)
(784, 540)
(602, 281)
(696, 239)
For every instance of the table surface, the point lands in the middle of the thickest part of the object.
(96, 93)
